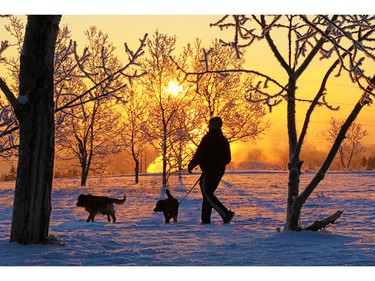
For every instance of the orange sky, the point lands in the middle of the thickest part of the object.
(341, 92)
(129, 28)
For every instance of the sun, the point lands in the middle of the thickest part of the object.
(174, 88)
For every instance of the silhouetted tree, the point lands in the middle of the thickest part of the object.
(368, 163)
(90, 130)
(164, 104)
(133, 118)
(34, 111)
(346, 39)
(222, 94)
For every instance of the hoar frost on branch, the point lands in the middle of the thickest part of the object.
(87, 120)
(346, 43)
(111, 76)
(69, 67)
(347, 36)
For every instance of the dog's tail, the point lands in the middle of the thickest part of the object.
(119, 201)
(168, 193)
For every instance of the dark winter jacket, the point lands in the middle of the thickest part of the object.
(213, 153)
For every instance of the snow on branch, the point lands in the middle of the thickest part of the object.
(254, 94)
(348, 37)
(244, 36)
(104, 84)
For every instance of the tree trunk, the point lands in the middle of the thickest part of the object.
(136, 168)
(86, 164)
(164, 152)
(299, 201)
(32, 198)
(84, 175)
(136, 162)
(136, 171)
(83, 162)
(295, 165)
(179, 159)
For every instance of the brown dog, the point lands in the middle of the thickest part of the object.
(168, 206)
(99, 204)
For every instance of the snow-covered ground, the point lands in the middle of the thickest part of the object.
(141, 238)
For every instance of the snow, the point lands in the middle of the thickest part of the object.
(141, 238)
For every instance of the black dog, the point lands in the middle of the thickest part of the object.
(168, 206)
(99, 204)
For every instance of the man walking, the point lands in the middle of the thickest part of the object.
(212, 155)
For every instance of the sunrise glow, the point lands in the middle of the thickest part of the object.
(156, 166)
(174, 88)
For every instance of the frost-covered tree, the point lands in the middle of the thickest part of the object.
(166, 97)
(34, 111)
(222, 94)
(91, 130)
(133, 119)
(88, 136)
(65, 68)
(295, 42)
(9, 125)
(351, 145)
(70, 70)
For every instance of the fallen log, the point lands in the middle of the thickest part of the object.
(317, 225)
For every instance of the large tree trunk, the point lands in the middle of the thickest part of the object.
(32, 198)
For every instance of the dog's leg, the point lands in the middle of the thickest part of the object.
(167, 217)
(113, 217)
(109, 218)
(174, 218)
(88, 219)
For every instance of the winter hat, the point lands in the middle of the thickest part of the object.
(215, 122)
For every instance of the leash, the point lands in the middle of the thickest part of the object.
(189, 190)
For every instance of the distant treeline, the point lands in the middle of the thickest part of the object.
(368, 163)
(11, 176)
